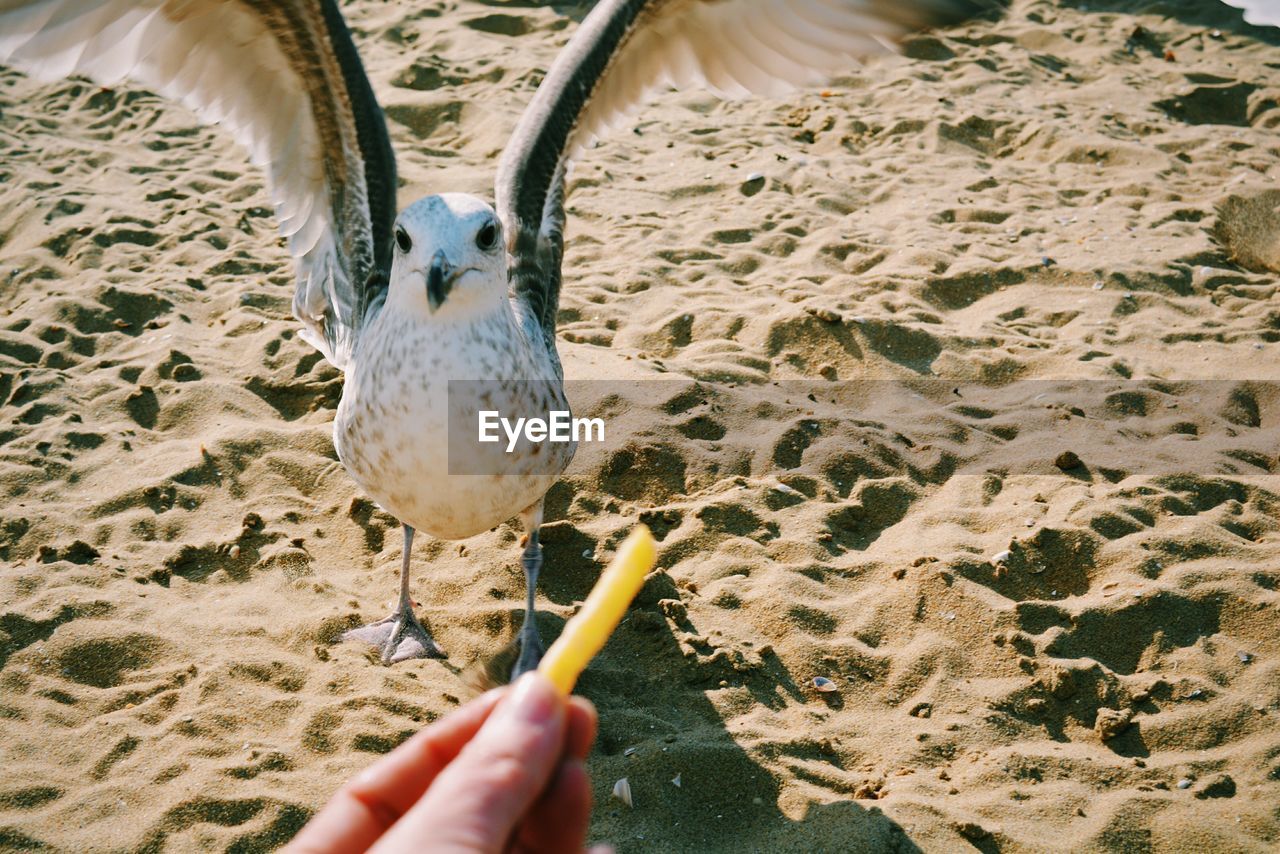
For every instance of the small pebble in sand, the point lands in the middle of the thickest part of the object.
(1245, 657)
(1001, 557)
(825, 685)
(1184, 783)
(1097, 286)
(1067, 460)
(234, 552)
(622, 791)
(1112, 722)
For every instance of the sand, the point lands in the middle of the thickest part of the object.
(1054, 233)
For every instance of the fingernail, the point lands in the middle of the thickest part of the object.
(533, 700)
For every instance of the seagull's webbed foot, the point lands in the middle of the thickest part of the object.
(400, 637)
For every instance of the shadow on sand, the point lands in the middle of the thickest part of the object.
(658, 726)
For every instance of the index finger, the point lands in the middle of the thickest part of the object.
(362, 810)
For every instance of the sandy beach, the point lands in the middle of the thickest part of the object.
(954, 383)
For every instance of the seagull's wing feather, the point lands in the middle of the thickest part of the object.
(284, 78)
(626, 50)
(1259, 12)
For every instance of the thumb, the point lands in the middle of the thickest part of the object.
(476, 802)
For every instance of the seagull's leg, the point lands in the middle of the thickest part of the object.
(530, 642)
(399, 636)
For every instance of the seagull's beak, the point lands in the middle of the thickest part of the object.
(439, 280)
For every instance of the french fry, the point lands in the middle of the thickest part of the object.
(586, 632)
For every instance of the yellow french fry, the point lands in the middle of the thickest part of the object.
(586, 632)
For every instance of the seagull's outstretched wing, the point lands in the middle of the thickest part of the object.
(625, 50)
(283, 76)
(1259, 12)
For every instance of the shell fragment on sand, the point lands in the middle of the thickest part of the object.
(622, 791)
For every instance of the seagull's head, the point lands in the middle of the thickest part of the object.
(449, 259)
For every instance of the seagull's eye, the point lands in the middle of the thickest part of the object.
(487, 237)
(402, 240)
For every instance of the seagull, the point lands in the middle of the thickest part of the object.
(1260, 13)
(451, 304)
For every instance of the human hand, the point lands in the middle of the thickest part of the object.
(504, 772)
